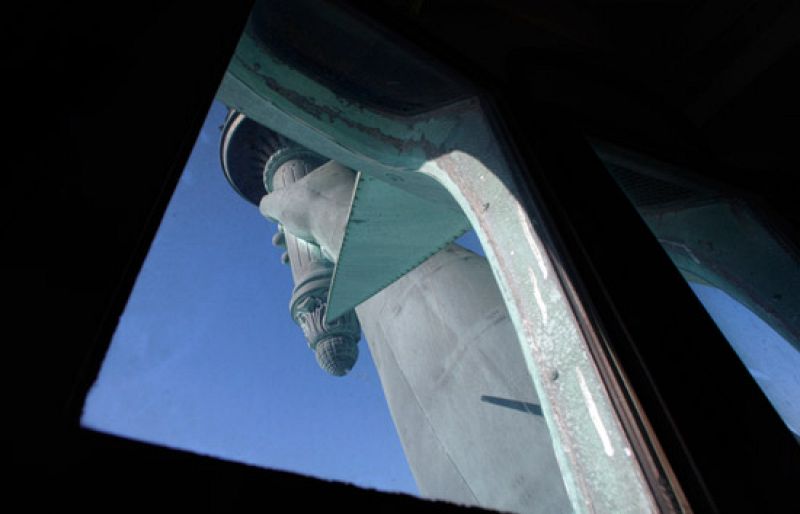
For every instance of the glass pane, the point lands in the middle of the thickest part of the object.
(736, 262)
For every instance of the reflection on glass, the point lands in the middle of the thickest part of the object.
(736, 262)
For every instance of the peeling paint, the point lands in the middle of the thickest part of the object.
(595, 415)
(526, 229)
(537, 293)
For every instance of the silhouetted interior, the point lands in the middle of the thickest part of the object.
(106, 102)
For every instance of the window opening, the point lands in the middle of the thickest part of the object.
(488, 376)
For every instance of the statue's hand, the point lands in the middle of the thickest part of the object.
(314, 208)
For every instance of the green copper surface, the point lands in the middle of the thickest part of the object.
(389, 232)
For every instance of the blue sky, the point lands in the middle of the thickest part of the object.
(206, 357)
(771, 360)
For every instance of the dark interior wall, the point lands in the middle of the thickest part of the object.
(105, 102)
